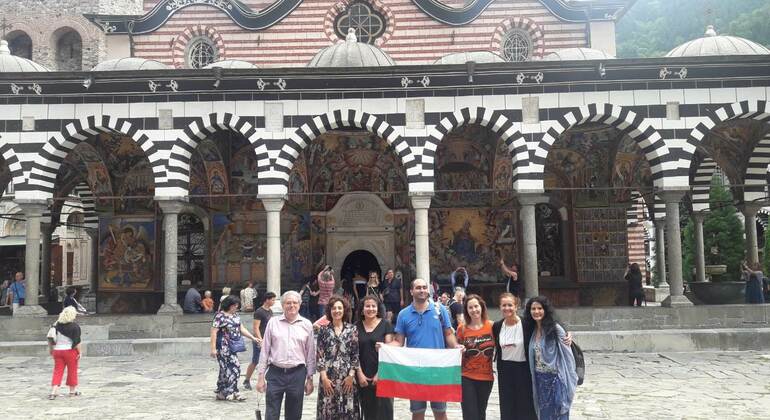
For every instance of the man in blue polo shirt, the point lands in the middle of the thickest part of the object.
(424, 324)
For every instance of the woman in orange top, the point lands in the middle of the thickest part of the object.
(477, 376)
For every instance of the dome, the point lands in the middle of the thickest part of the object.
(464, 57)
(129, 63)
(231, 64)
(569, 54)
(713, 44)
(13, 64)
(351, 53)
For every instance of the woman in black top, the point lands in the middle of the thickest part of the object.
(635, 290)
(372, 329)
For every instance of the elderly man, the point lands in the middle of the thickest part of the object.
(18, 291)
(424, 324)
(287, 360)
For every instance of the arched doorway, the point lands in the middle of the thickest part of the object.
(358, 264)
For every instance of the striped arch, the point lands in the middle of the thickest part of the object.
(274, 172)
(755, 110)
(536, 34)
(87, 201)
(628, 122)
(42, 177)
(201, 128)
(180, 43)
(701, 185)
(17, 173)
(495, 121)
(757, 173)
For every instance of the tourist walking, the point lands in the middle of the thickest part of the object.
(477, 376)
(64, 347)
(392, 294)
(70, 300)
(372, 329)
(248, 295)
(261, 316)
(424, 324)
(754, 280)
(514, 380)
(635, 290)
(287, 360)
(18, 292)
(337, 364)
(551, 362)
(512, 283)
(326, 288)
(226, 342)
(192, 300)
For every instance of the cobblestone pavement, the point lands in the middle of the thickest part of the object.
(708, 385)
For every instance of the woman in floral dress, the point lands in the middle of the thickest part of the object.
(337, 364)
(225, 329)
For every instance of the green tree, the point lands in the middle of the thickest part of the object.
(723, 241)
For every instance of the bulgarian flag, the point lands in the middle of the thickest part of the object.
(419, 374)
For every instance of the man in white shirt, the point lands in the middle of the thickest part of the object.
(248, 294)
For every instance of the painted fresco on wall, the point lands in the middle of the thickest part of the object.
(582, 157)
(298, 184)
(630, 171)
(464, 162)
(473, 238)
(344, 161)
(243, 178)
(318, 242)
(502, 179)
(126, 251)
(602, 245)
(550, 261)
(239, 248)
(130, 172)
(403, 229)
(730, 145)
(295, 250)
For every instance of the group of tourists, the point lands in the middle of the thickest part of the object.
(535, 367)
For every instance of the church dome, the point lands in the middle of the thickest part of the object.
(13, 64)
(231, 64)
(351, 53)
(569, 54)
(129, 64)
(464, 57)
(713, 44)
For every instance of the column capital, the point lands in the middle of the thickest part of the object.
(750, 209)
(421, 200)
(272, 202)
(673, 195)
(32, 207)
(171, 205)
(531, 198)
(699, 216)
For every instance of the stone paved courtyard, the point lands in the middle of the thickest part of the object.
(709, 385)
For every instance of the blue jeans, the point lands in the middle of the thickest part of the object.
(255, 353)
(421, 406)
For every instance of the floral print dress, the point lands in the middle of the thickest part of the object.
(338, 355)
(229, 367)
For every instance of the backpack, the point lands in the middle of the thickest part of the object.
(580, 363)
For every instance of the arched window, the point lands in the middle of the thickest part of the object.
(201, 51)
(516, 45)
(69, 51)
(20, 44)
(368, 23)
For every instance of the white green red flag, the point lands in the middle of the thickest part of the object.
(420, 374)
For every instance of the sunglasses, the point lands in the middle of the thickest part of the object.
(488, 352)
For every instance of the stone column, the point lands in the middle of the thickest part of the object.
(529, 242)
(700, 257)
(33, 212)
(171, 210)
(660, 252)
(273, 205)
(674, 248)
(750, 218)
(421, 204)
(46, 230)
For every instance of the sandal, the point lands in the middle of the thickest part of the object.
(52, 396)
(236, 398)
(75, 394)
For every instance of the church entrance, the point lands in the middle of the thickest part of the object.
(356, 268)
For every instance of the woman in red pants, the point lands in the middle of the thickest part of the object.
(64, 346)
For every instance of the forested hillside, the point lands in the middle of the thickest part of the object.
(651, 28)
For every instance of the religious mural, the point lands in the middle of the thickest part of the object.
(731, 143)
(296, 252)
(549, 240)
(464, 161)
(126, 254)
(208, 176)
(239, 247)
(403, 227)
(630, 171)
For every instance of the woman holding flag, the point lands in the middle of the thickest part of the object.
(338, 363)
(477, 377)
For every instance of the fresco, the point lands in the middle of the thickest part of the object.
(502, 178)
(239, 248)
(318, 242)
(243, 178)
(403, 225)
(345, 161)
(630, 171)
(130, 172)
(296, 245)
(208, 176)
(730, 143)
(464, 162)
(126, 254)
(474, 238)
(550, 260)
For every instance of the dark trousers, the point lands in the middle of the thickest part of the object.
(475, 398)
(636, 299)
(514, 384)
(374, 408)
(290, 383)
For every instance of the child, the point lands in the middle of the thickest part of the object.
(207, 302)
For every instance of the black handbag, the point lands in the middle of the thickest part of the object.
(580, 363)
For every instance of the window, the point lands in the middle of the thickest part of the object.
(201, 52)
(369, 24)
(20, 44)
(69, 51)
(516, 45)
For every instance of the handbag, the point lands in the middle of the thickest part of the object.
(236, 345)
